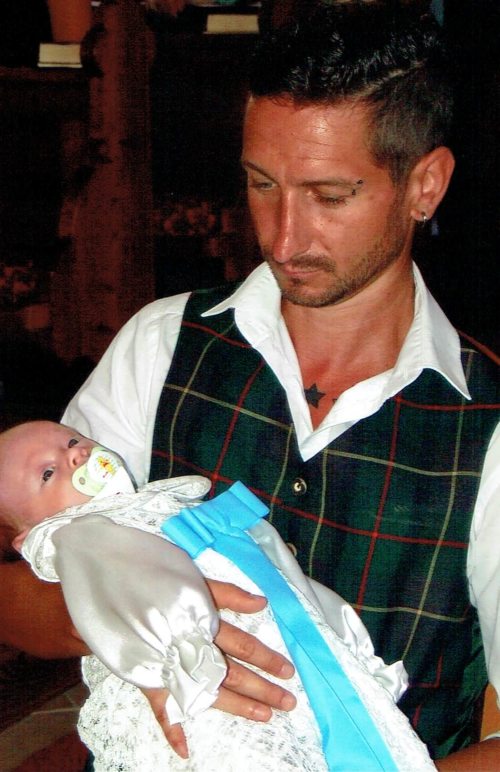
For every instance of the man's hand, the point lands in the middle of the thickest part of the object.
(244, 693)
(482, 757)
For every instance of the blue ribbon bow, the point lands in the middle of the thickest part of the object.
(351, 741)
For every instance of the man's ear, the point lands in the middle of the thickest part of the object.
(428, 182)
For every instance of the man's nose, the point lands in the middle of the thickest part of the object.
(291, 235)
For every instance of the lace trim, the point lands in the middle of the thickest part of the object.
(118, 726)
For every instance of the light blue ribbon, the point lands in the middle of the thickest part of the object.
(351, 741)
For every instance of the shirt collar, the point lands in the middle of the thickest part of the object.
(432, 342)
(256, 303)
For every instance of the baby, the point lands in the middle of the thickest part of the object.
(142, 605)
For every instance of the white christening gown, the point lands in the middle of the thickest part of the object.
(152, 623)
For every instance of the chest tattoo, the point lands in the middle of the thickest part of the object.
(313, 395)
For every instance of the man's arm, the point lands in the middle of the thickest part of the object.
(35, 620)
(117, 404)
(480, 757)
(483, 570)
(34, 617)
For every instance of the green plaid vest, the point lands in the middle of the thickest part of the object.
(382, 515)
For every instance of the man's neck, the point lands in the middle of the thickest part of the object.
(340, 345)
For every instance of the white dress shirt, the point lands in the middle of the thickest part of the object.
(117, 404)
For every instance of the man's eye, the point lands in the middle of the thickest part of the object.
(332, 200)
(329, 197)
(255, 184)
(47, 475)
(73, 441)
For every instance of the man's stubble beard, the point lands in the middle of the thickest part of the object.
(366, 268)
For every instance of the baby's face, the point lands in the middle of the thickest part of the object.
(37, 461)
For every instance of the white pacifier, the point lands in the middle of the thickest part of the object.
(102, 474)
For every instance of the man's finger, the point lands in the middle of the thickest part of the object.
(227, 595)
(245, 647)
(245, 693)
(174, 733)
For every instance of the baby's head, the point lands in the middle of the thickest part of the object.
(38, 461)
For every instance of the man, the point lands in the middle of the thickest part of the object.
(330, 381)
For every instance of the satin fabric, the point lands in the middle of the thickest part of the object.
(153, 627)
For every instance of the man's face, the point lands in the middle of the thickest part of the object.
(37, 461)
(328, 220)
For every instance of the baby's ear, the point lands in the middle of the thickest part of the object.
(17, 542)
(7, 533)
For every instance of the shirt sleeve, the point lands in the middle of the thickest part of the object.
(483, 560)
(117, 404)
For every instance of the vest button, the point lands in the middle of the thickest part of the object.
(299, 486)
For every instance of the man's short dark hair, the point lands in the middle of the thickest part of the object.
(385, 56)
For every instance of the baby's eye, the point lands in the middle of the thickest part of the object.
(73, 441)
(47, 475)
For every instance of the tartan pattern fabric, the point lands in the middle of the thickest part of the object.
(382, 515)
